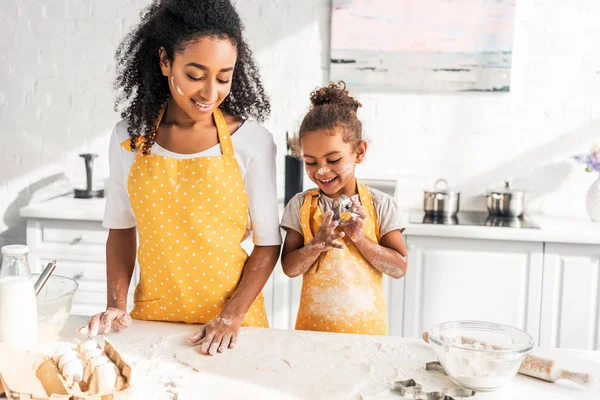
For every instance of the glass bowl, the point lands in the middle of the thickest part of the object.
(479, 355)
(54, 304)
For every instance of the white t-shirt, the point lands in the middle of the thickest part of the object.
(255, 151)
(385, 208)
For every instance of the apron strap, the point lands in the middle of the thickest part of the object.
(126, 144)
(367, 202)
(223, 132)
(311, 201)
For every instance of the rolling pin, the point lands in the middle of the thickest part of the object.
(541, 368)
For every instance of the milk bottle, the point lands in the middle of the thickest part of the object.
(18, 307)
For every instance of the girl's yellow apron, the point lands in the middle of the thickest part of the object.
(191, 217)
(341, 292)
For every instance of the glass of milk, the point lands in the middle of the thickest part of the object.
(18, 307)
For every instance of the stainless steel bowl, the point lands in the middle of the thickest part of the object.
(506, 201)
(441, 200)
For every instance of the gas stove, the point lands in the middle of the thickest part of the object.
(474, 218)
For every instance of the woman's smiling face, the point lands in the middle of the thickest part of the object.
(200, 75)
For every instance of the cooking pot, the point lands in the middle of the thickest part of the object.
(506, 201)
(441, 200)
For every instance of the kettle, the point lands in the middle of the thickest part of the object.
(88, 192)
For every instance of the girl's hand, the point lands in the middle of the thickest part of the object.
(218, 335)
(354, 228)
(326, 238)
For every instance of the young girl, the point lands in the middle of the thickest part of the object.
(190, 176)
(342, 265)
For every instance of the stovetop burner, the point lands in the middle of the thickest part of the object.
(474, 218)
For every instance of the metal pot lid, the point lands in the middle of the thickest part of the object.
(508, 189)
(441, 186)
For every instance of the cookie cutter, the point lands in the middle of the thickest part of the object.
(407, 387)
(410, 387)
(342, 210)
(435, 366)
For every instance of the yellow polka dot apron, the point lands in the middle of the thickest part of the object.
(191, 216)
(341, 292)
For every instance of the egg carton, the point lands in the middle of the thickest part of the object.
(35, 376)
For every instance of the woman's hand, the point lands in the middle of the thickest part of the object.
(218, 335)
(111, 320)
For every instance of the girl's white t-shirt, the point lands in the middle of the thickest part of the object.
(255, 151)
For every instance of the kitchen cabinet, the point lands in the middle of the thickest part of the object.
(70, 231)
(571, 296)
(456, 279)
(79, 247)
(545, 281)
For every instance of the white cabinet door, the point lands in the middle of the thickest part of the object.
(456, 279)
(571, 297)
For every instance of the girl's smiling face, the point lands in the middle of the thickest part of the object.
(200, 75)
(330, 161)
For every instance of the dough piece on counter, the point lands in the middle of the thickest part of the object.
(60, 350)
(73, 371)
(66, 357)
(104, 379)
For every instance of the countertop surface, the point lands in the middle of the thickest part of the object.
(551, 229)
(281, 364)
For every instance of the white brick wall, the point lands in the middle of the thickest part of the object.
(56, 60)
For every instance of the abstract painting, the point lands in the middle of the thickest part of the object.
(423, 45)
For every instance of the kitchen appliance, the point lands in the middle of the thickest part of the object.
(294, 173)
(506, 201)
(89, 192)
(441, 200)
(474, 218)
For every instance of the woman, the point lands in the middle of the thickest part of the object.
(191, 175)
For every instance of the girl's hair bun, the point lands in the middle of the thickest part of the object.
(334, 94)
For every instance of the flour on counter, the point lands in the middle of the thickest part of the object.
(273, 364)
(307, 365)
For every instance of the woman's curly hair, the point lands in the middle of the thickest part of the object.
(142, 89)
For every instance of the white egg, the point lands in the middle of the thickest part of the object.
(60, 350)
(73, 369)
(89, 354)
(87, 345)
(65, 358)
